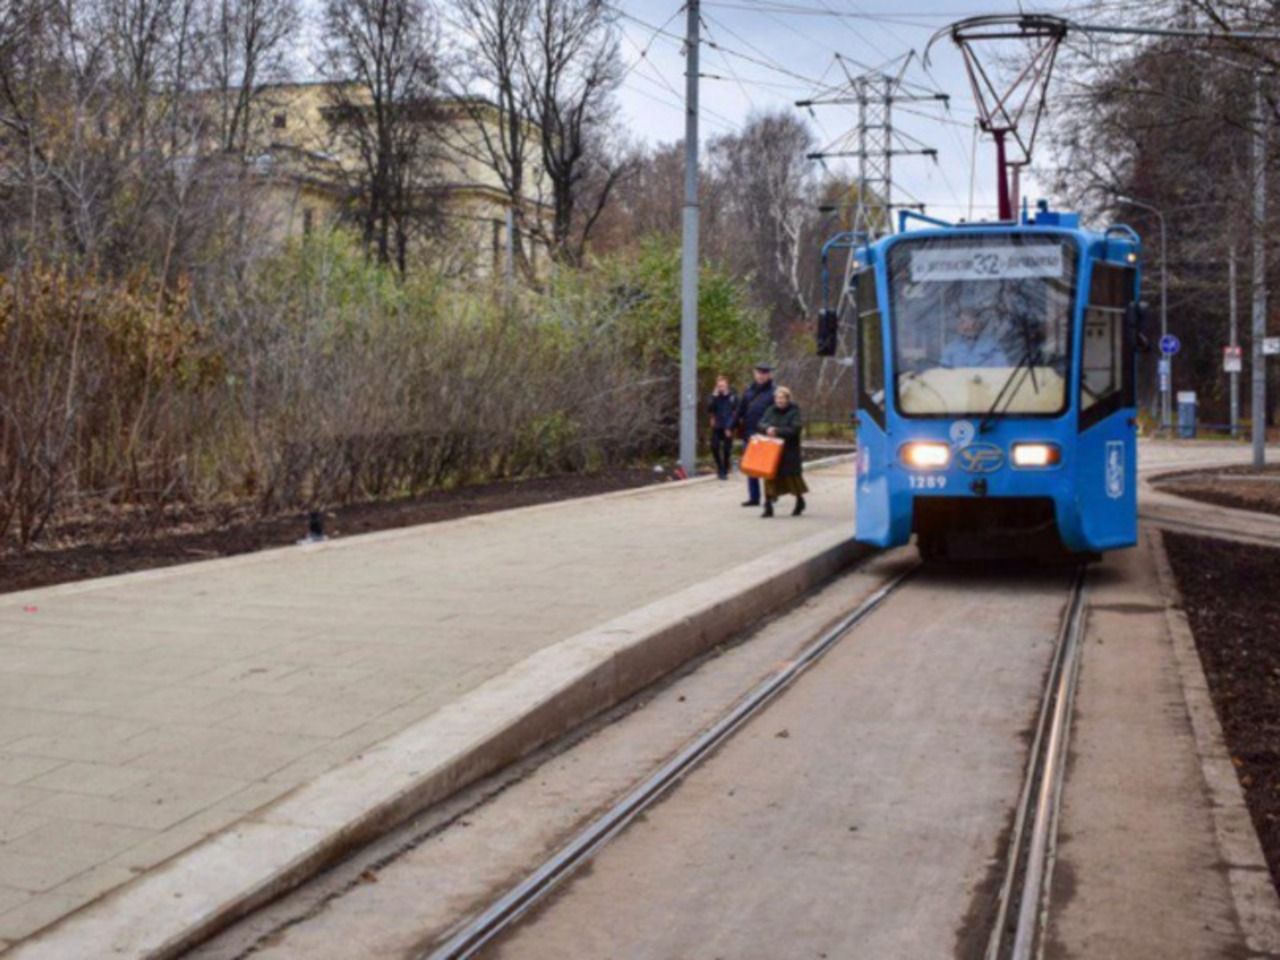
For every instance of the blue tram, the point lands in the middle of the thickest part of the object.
(995, 385)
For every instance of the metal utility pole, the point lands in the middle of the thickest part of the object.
(1258, 407)
(1233, 337)
(689, 254)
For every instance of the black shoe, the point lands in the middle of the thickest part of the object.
(768, 509)
(751, 503)
(799, 507)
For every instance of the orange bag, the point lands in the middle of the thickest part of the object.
(762, 458)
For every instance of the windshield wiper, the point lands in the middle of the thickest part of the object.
(1030, 357)
(1027, 362)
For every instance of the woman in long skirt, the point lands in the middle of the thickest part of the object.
(783, 420)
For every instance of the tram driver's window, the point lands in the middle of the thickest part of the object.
(1103, 378)
(870, 347)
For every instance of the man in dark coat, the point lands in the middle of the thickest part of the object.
(721, 407)
(756, 399)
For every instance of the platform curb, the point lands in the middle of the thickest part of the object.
(1256, 904)
(198, 892)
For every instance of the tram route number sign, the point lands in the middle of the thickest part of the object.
(1232, 360)
(1170, 345)
(950, 263)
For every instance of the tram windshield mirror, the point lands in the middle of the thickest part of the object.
(966, 311)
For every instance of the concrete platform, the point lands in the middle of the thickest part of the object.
(178, 745)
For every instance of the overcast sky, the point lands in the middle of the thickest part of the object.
(795, 43)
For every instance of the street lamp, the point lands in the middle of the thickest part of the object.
(1166, 381)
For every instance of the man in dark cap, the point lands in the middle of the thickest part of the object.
(756, 399)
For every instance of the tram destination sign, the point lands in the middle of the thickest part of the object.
(942, 264)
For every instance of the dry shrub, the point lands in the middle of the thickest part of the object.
(95, 384)
(319, 378)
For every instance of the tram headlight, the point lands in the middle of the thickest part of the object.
(1036, 454)
(926, 455)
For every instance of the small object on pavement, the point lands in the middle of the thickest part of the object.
(315, 528)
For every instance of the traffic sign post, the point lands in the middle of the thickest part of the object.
(1169, 345)
(1233, 365)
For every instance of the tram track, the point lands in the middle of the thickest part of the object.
(509, 908)
(1021, 910)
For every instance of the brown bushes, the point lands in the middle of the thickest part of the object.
(323, 379)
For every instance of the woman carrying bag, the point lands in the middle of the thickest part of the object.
(783, 420)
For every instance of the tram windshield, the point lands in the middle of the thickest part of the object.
(974, 315)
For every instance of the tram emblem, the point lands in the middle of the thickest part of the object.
(980, 458)
(1115, 469)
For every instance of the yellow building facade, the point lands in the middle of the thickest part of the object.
(305, 168)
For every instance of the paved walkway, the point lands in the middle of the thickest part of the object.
(140, 714)
(1156, 856)
(1184, 515)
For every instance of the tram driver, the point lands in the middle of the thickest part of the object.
(973, 343)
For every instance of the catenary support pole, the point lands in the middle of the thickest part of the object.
(1233, 336)
(689, 254)
(1258, 406)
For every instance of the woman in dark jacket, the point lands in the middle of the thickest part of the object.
(721, 408)
(783, 420)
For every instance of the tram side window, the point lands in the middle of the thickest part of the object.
(870, 347)
(1105, 378)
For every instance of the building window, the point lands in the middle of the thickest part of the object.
(280, 121)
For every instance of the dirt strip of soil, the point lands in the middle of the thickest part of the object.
(95, 547)
(1231, 594)
(114, 541)
(1244, 488)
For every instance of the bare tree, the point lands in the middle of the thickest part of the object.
(382, 59)
(572, 70)
(501, 136)
(246, 41)
(550, 68)
(768, 200)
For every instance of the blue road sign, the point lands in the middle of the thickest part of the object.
(1169, 344)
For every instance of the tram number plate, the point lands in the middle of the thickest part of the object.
(928, 482)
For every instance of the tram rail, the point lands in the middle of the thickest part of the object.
(507, 909)
(1021, 912)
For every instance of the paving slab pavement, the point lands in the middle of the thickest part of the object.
(142, 714)
(1156, 858)
(1185, 515)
